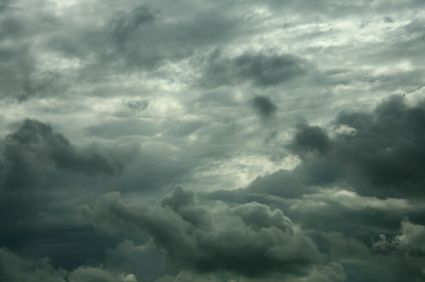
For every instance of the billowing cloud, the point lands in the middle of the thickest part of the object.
(35, 144)
(250, 239)
(377, 154)
(212, 140)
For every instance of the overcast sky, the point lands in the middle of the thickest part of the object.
(209, 141)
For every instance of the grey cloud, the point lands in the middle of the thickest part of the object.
(262, 69)
(408, 41)
(328, 211)
(264, 107)
(142, 38)
(282, 183)
(20, 75)
(250, 239)
(35, 144)
(335, 9)
(14, 268)
(332, 272)
(143, 84)
(409, 240)
(94, 274)
(4, 4)
(412, 236)
(127, 23)
(145, 261)
(311, 139)
(361, 263)
(383, 157)
(40, 169)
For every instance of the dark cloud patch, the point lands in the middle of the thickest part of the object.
(35, 144)
(379, 153)
(250, 239)
(264, 107)
(311, 139)
(146, 81)
(38, 166)
(262, 69)
(345, 231)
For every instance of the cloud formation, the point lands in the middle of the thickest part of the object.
(250, 239)
(212, 141)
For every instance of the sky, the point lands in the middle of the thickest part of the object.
(209, 141)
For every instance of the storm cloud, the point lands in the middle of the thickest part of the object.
(212, 141)
(232, 239)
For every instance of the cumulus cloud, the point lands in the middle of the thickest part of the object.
(250, 239)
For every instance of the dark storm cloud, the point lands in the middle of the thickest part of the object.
(346, 231)
(34, 145)
(260, 68)
(249, 239)
(143, 84)
(264, 107)
(378, 153)
(40, 169)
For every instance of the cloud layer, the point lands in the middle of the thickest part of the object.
(212, 141)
